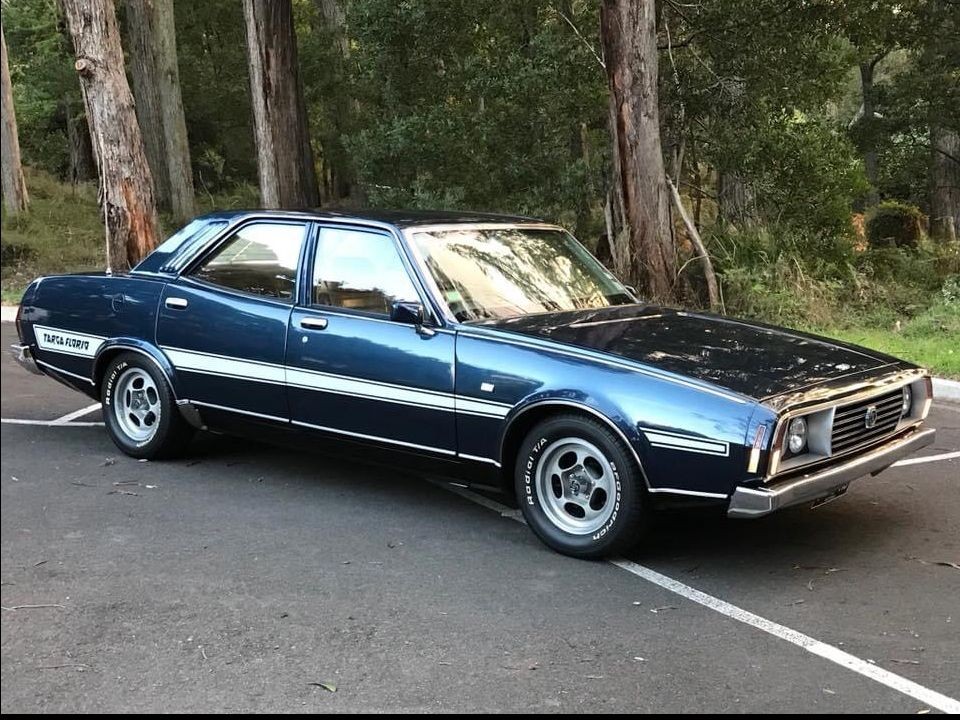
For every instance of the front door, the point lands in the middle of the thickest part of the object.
(353, 371)
(223, 323)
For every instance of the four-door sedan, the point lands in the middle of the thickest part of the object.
(496, 346)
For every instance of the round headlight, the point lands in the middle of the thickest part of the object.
(907, 401)
(797, 436)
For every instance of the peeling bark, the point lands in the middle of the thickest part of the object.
(156, 86)
(284, 157)
(15, 196)
(126, 187)
(648, 257)
(945, 184)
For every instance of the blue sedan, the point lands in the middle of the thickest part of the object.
(491, 348)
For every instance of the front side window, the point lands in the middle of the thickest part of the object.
(359, 270)
(259, 259)
(505, 272)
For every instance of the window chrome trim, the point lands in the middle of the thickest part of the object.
(212, 287)
(274, 216)
(433, 318)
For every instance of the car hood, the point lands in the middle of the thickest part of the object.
(756, 360)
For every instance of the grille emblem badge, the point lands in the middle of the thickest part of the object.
(870, 417)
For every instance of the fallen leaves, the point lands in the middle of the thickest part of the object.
(328, 686)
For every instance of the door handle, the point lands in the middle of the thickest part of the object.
(175, 303)
(313, 323)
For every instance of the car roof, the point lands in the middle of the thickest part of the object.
(397, 218)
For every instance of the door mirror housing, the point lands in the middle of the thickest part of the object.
(410, 313)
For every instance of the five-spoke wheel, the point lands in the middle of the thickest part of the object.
(580, 487)
(137, 404)
(575, 486)
(140, 410)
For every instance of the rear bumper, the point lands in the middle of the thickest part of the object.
(756, 502)
(24, 356)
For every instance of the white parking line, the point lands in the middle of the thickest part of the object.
(75, 414)
(48, 423)
(927, 458)
(828, 652)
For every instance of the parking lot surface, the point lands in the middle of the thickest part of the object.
(247, 577)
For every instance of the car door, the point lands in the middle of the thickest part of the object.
(223, 322)
(351, 369)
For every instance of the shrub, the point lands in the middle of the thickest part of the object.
(893, 223)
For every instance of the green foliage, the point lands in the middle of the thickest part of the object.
(61, 232)
(787, 276)
(45, 86)
(503, 105)
(211, 47)
(499, 106)
(894, 223)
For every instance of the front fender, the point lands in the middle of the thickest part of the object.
(606, 413)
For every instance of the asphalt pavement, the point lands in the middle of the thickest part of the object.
(247, 577)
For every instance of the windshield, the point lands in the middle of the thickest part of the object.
(505, 272)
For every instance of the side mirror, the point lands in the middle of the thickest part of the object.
(410, 313)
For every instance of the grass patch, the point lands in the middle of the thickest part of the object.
(932, 339)
(61, 232)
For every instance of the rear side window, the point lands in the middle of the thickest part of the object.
(359, 271)
(259, 259)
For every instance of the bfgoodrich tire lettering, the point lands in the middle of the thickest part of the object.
(579, 487)
(170, 434)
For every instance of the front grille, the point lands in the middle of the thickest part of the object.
(850, 429)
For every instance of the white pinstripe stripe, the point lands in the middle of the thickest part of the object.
(259, 371)
(688, 443)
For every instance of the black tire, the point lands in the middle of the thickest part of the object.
(628, 519)
(172, 433)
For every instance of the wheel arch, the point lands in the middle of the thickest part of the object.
(527, 416)
(114, 347)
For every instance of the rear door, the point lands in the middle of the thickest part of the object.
(223, 322)
(353, 371)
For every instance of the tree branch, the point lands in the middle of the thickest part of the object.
(712, 291)
(580, 35)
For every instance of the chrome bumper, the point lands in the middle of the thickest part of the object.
(755, 502)
(22, 354)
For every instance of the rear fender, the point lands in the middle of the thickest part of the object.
(116, 346)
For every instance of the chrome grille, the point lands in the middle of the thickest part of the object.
(850, 429)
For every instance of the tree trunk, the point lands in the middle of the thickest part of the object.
(156, 87)
(284, 157)
(15, 196)
(126, 188)
(734, 199)
(342, 181)
(945, 184)
(82, 164)
(628, 32)
(868, 122)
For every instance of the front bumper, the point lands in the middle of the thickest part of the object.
(23, 355)
(755, 502)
